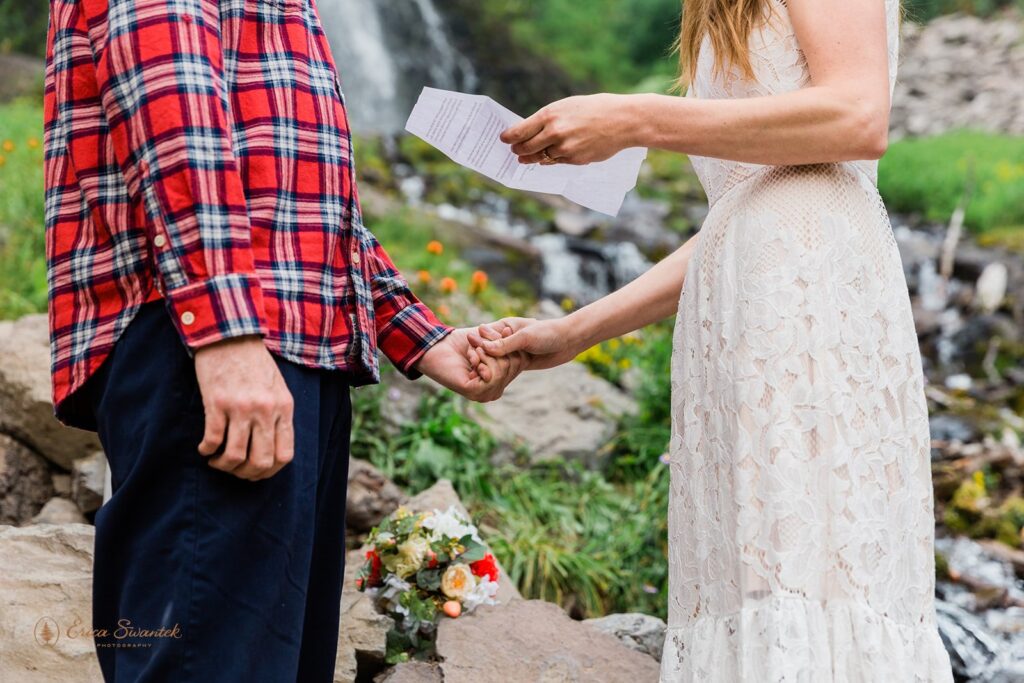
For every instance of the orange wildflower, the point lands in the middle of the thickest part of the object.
(435, 247)
(478, 282)
(424, 277)
(448, 285)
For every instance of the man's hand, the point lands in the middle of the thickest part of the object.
(448, 364)
(248, 408)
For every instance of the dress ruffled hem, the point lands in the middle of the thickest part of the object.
(795, 640)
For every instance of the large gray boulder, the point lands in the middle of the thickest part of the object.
(25, 483)
(640, 632)
(533, 640)
(565, 412)
(45, 598)
(26, 407)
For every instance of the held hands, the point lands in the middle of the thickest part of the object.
(576, 130)
(482, 379)
(543, 343)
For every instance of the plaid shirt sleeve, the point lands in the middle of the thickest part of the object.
(406, 327)
(160, 74)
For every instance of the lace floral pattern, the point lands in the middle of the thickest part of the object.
(801, 513)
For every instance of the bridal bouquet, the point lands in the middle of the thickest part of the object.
(421, 566)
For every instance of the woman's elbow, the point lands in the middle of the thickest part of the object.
(871, 131)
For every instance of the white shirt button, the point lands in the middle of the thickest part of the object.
(159, 241)
(188, 317)
(355, 258)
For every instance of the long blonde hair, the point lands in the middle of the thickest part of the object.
(728, 25)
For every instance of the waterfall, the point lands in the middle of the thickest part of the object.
(386, 51)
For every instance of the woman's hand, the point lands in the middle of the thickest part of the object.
(576, 130)
(546, 343)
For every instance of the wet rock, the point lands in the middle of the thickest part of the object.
(60, 511)
(643, 223)
(640, 632)
(946, 427)
(535, 641)
(371, 496)
(565, 412)
(990, 290)
(640, 221)
(576, 222)
(26, 410)
(45, 589)
(25, 483)
(87, 482)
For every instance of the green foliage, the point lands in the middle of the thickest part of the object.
(930, 175)
(924, 10)
(22, 262)
(612, 44)
(23, 26)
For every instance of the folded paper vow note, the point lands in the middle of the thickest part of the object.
(467, 129)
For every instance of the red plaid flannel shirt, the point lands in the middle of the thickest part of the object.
(199, 151)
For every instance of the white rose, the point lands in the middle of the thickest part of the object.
(457, 581)
(410, 557)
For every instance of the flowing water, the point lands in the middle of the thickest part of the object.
(386, 51)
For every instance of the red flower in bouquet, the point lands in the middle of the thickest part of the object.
(487, 566)
(375, 567)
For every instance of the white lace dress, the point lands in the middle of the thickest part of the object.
(800, 517)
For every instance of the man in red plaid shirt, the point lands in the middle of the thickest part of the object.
(213, 296)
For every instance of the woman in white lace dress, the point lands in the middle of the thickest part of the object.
(800, 520)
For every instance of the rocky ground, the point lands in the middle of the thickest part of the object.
(959, 71)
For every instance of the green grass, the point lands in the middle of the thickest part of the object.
(930, 175)
(22, 262)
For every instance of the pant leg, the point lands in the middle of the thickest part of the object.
(323, 599)
(223, 564)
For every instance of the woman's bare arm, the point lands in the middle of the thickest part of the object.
(651, 297)
(841, 115)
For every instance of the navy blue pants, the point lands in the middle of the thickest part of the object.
(234, 580)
